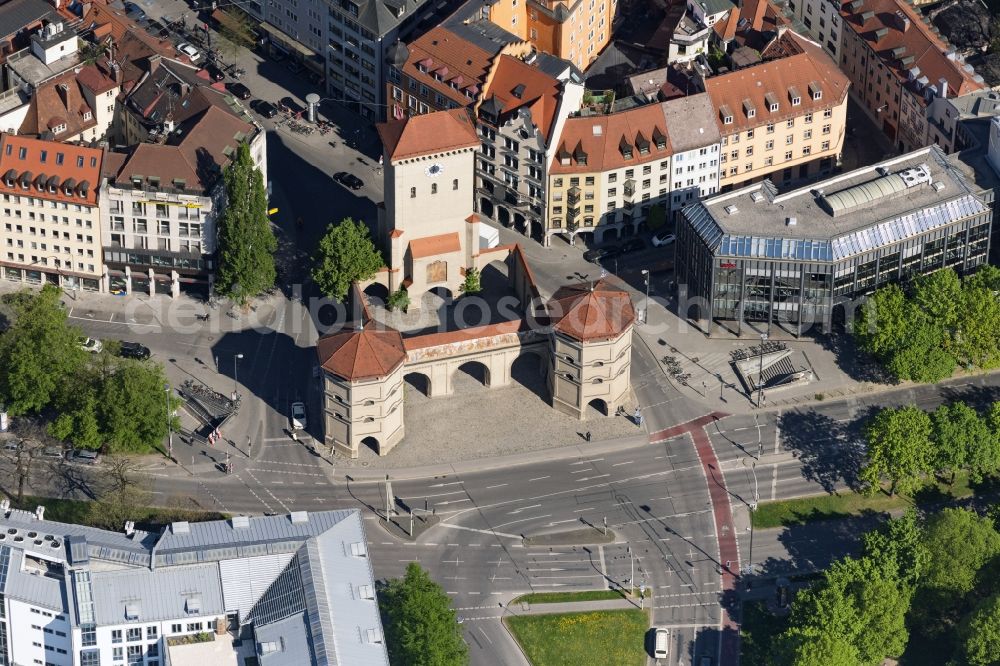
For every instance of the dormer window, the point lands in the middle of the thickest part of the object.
(815, 91)
(794, 96)
(749, 108)
(726, 114)
(59, 129)
(87, 115)
(772, 102)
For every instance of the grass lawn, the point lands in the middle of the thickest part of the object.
(757, 633)
(598, 638)
(846, 503)
(561, 597)
(79, 512)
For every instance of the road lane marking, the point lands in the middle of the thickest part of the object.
(521, 520)
(591, 478)
(538, 478)
(499, 485)
(450, 483)
(523, 508)
(473, 529)
(623, 463)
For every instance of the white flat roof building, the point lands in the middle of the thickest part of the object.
(292, 590)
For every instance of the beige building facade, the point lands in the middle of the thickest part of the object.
(782, 119)
(425, 225)
(51, 219)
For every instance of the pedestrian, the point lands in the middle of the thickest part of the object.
(587, 436)
(638, 416)
(295, 436)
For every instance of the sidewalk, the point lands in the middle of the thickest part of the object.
(575, 606)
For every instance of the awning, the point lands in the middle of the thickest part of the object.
(286, 40)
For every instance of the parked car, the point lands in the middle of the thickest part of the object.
(298, 416)
(52, 453)
(134, 350)
(348, 180)
(663, 238)
(631, 245)
(193, 54)
(599, 253)
(239, 90)
(290, 105)
(157, 29)
(661, 643)
(93, 345)
(134, 11)
(215, 73)
(266, 109)
(85, 456)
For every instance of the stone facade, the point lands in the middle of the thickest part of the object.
(365, 412)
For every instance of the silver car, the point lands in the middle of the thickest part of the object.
(298, 416)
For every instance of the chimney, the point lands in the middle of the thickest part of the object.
(129, 528)
(943, 88)
(902, 20)
(39, 512)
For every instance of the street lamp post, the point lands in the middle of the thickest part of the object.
(170, 429)
(236, 381)
(645, 304)
(753, 508)
(760, 372)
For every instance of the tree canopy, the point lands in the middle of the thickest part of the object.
(918, 587)
(899, 449)
(346, 254)
(940, 321)
(37, 352)
(246, 240)
(421, 627)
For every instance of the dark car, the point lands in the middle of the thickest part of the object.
(266, 109)
(348, 180)
(631, 245)
(599, 253)
(134, 350)
(134, 11)
(215, 73)
(239, 90)
(290, 105)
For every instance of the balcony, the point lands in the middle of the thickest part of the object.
(573, 195)
(572, 213)
(629, 188)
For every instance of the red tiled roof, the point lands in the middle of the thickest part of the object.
(58, 102)
(778, 79)
(428, 134)
(95, 80)
(540, 92)
(452, 58)
(65, 161)
(422, 341)
(601, 138)
(588, 313)
(431, 246)
(926, 48)
(372, 352)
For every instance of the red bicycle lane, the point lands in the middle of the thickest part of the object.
(729, 557)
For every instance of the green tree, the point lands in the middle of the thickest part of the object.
(921, 356)
(815, 647)
(38, 352)
(884, 321)
(472, 283)
(421, 627)
(246, 240)
(959, 543)
(899, 449)
(985, 457)
(657, 217)
(987, 277)
(938, 296)
(958, 430)
(978, 337)
(399, 299)
(346, 254)
(899, 545)
(980, 633)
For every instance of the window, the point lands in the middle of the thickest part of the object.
(825, 145)
(194, 626)
(807, 150)
(809, 117)
(769, 145)
(434, 188)
(454, 184)
(116, 636)
(788, 155)
(413, 193)
(828, 113)
(134, 634)
(175, 629)
(22, 153)
(808, 134)
(790, 122)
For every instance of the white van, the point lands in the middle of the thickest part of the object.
(661, 644)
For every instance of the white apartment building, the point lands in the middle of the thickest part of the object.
(696, 142)
(292, 590)
(51, 219)
(159, 207)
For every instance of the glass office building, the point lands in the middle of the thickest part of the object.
(802, 259)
